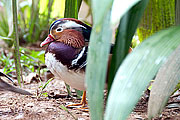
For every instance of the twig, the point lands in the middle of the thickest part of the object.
(16, 43)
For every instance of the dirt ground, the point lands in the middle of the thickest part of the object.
(15, 106)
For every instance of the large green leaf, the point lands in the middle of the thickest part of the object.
(98, 51)
(96, 69)
(100, 9)
(137, 70)
(119, 8)
(126, 30)
(165, 82)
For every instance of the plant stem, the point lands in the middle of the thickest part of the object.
(16, 42)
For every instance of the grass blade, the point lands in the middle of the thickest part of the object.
(16, 42)
(72, 8)
(165, 82)
(64, 108)
(33, 21)
(137, 70)
(6, 38)
(8, 7)
(126, 30)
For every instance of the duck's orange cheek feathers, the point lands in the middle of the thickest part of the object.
(72, 38)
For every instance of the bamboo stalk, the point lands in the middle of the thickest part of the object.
(16, 42)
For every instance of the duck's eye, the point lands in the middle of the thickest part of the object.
(59, 29)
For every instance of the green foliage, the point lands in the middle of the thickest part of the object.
(29, 59)
(126, 30)
(33, 22)
(95, 76)
(135, 71)
(6, 20)
(7, 62)
(98, 54)
(166, 80)
(34, 17)
(159, 14)
(72, 8)
(42, 87)
(132, 79)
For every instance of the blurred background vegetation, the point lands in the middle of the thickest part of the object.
(34, 19)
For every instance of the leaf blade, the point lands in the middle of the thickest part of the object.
(95, 76)
(146, 59)
(121, 7)
(165, 82)
(126, 30)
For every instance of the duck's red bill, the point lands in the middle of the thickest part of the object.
(47, 40)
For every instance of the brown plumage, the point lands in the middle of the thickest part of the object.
(70, 37)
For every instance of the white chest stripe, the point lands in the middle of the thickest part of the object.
(79, 56)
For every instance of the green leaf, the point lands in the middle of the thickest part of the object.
(8, 7)
(137, 70)
(100, 9)
(34, 20)
(96, 69)
(72, 8)
(44, 86)
(126, 30)
(119, 8)
(164, 85)
(6, 38)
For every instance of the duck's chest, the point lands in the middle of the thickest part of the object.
(74, 78)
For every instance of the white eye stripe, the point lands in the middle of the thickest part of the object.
(70, 24)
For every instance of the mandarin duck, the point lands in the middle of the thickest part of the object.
(66, 53)
(4, 86)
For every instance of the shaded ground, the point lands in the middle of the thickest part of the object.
(15, 106)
